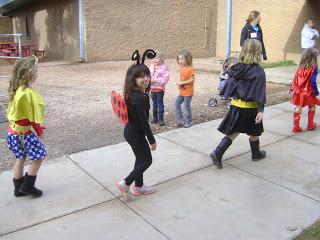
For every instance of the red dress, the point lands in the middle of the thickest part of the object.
(304, 88)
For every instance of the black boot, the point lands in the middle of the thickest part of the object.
(161, 121)
(155, 117)
(255, 150)
(217, 154)
(17, 184)
(28, 187)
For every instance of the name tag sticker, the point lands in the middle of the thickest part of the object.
(253, 35)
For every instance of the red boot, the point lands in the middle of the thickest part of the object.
(296, 122)
(311, 124)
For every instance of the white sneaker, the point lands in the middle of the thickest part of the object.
(144, 190)
(123, 187)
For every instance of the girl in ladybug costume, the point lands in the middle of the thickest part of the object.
(304, 89)
(137, 131)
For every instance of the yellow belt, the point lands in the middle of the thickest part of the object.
(241, 104)
(19, 129)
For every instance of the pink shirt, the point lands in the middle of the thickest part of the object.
(159, 74)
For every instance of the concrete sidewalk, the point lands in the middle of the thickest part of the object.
(281, 75)
(272, 199)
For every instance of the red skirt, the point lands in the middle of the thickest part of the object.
(303, 99)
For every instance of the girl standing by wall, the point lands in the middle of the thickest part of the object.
(25, 110)
(186, 89)
(253, 30)
(159, 78)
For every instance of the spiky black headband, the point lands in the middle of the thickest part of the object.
(147, 54)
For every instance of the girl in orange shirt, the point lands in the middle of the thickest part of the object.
(186, 88)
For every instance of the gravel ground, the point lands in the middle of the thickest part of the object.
(79, 114)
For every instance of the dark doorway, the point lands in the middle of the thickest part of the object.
(310, 10)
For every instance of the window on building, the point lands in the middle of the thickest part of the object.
(28, 29)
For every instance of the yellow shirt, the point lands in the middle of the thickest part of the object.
(26, 104)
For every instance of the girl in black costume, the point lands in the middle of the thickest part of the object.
(246, 86)
(136, 95)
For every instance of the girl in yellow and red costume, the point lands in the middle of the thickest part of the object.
(304, 89)
(25, 111)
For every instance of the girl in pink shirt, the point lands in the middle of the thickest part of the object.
(159, 78)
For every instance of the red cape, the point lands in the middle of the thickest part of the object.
(303, 93)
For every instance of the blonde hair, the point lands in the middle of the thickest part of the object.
(160, 54)
(187, 55)
(253, 15)
(21, 74)
(309, 58)
(251, 52)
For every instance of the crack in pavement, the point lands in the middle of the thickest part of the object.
(56, 217)
(123, 202)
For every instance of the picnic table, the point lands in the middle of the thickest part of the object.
(14, 47)
(26, 48)
(12, 50)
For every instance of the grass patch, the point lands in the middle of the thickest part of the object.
(286, 63)
(311, 233)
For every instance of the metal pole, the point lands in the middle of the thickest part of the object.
(20, 44)
(229, 22)
(81, 32)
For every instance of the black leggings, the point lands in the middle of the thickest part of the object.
(141, 150)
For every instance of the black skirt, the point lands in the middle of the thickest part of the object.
(241, 120)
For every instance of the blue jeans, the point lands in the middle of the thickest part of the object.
(187, 107)
(157, 100)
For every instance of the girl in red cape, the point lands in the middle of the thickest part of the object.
(304, 89)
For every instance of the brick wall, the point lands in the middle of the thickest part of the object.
(114, 29)
(6, 27)
(53, 27)
(282, 22)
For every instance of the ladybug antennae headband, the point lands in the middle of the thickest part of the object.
(136, 57)
(147, 54)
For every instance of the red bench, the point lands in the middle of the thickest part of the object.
(40, 54)
(7, 52)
